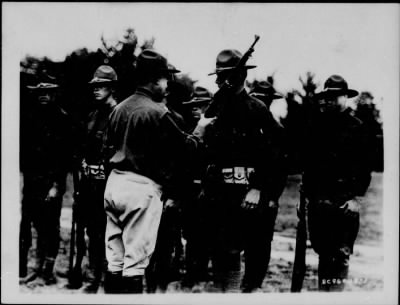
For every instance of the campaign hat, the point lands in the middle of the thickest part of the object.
(227, 60)
(336, 85)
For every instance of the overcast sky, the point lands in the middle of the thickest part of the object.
(358, 41)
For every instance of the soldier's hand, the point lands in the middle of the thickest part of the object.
(273, 204)
(53, 193)
(251, 200)
(170, 204)
(204, 122)
(351, 207)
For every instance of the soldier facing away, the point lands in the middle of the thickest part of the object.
(336, 176)
(144, 140)
(240, 187)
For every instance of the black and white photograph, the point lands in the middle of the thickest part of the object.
(198, 153)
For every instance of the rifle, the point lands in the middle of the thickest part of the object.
(299, 266)
(77, 238)
(75, 178)
(216, 106)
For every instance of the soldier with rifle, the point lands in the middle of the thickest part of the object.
(89, 185)
(336, 174)
(239, 187)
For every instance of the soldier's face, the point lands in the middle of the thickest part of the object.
(160, 88)
(236, 80)
(334, 103)
(45, 97)
(102, 93)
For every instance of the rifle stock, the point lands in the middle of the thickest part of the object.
(299, 266)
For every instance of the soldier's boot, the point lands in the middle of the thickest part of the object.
(218, 284)
(231, 281)
(48, 271)
(133, 284)
(324, 273)
(34, 274)
(75, 278)
(23, 265)
(113, 283)
(93, 276)
(340, 269)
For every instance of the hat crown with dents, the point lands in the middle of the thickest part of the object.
(336, 85)
(104, 74)
(228, 60)
(151, 61)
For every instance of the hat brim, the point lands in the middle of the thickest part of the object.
(274, 96)
(43, 86)
(199, 100)
(335, 92)
(97, 81)
(218, 70)
(174, 71)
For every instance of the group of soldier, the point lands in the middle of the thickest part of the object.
(151, 171)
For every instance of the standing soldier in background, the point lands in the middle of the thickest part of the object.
(91, 186)
(146, 144)
(194, 211)
(279, 147)
(45, 159)
(240, 183)
(336, 176)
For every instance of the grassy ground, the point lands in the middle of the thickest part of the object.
(364, 265)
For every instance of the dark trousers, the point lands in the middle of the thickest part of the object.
(91, 219)
(197, 232)
(165, 262)
(332, 235)
(236, 229)
(45, 217)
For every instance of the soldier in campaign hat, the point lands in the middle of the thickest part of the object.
(196, 106)
(45, 159)
(93, 179)
(145, 144)
(336, 175)
(239, 186)
(265, 92)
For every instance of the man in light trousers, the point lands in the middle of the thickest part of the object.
(146, 146)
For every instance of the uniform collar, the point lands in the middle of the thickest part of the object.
(145, 92)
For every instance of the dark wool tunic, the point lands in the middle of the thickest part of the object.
(337, 160)
(245, 136)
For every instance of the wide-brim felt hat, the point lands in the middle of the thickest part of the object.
(104, 75)
(227, 60)
(201, 96)
(44, 82)
(265, 89)
(335, 85)
(152, 62)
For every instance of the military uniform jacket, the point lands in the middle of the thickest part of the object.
(144, 139)
(242, 136)
(95, 132)
(337, 160)
(46, 142)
